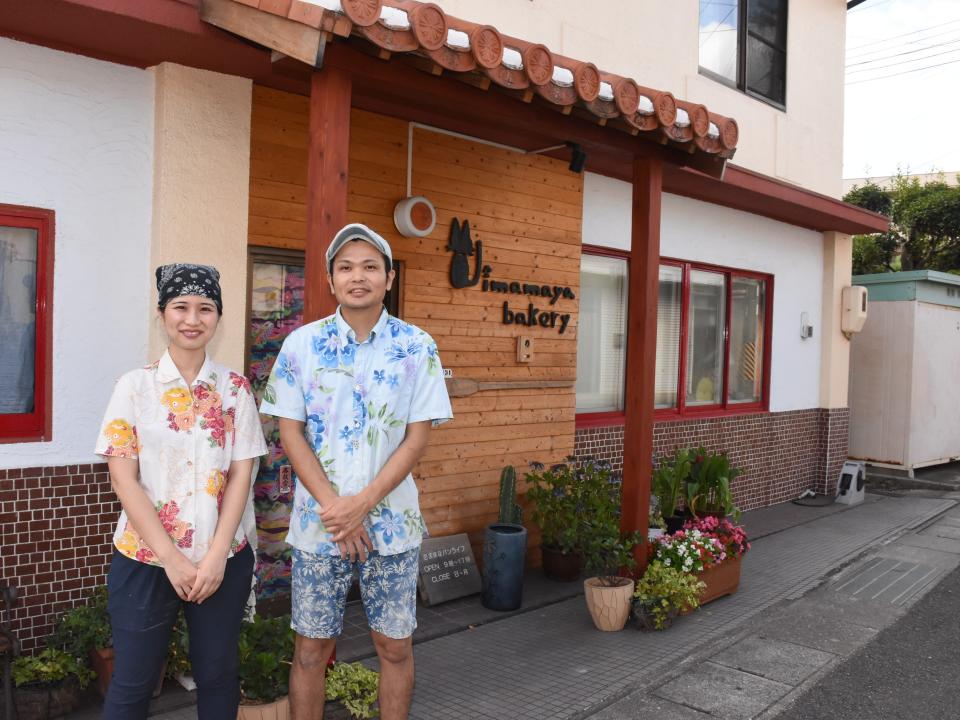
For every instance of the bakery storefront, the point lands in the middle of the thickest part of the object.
(524, 195)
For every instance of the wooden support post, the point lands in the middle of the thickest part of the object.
(327, 174)
(641, 346)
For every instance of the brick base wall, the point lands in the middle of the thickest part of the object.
(783, 454)
(56, 528)
(836, 438)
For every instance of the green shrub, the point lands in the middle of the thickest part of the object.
(49, 667)
(355, 686)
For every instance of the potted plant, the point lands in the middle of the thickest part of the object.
(84, 632)
(505, 550)
(708, 489)
(264, 654)
(558, 495)
(662, 593)
(607, 552)
(48, 684)
(722, 577)
(668, 483)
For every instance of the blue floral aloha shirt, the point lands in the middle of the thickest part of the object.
(356, 400)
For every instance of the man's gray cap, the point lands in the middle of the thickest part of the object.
(357, 231)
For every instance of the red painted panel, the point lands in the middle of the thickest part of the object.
(37, 425)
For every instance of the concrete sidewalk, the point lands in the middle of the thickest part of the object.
(550, 662)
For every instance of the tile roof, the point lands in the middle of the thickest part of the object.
(523, 68)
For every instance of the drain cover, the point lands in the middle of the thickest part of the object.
(891, 581)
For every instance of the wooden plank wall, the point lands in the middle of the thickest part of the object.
(527, 212)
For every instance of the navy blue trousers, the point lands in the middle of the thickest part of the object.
(143, 608)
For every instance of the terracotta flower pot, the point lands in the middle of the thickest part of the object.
(609, 605)
(560, 566)
(277, 710)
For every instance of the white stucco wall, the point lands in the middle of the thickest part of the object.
(657, 44)
(701, 232)
(76, 136)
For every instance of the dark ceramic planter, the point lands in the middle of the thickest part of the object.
(504, 556)
(559, 566)
(643, 617)
(675, 522)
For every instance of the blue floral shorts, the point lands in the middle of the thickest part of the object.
(388, 588)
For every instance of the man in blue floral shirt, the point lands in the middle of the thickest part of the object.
(356, 394)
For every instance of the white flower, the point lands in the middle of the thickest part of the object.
(667, 561)
(682, 549)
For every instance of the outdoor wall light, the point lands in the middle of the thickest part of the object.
(578, 158)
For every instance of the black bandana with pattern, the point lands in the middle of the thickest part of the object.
(188, 279)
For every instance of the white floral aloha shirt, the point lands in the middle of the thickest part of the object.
(356, 400)
(185, 439)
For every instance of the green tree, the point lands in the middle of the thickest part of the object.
(924, 229)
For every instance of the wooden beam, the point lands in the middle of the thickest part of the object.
(641, 345)
(327, 173)
(291, 38)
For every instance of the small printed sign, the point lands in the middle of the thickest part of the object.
(447, 373)
(447, 569)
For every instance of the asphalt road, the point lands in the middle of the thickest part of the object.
(908, 671)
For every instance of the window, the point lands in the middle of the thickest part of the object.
(601, 333)
(712, 338)
(743, 43)
(26, 289)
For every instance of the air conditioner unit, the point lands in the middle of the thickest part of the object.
(852, 479)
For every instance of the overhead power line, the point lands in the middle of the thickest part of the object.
(907, 34)
(905, 52)
(904, 72)
(902, 62)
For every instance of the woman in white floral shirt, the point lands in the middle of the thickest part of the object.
(181, 438)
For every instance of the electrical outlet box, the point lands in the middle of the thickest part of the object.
(524, 349)
(853, 307)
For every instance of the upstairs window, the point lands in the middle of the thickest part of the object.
(743, 43)
(26, 290)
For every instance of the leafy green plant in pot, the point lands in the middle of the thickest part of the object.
(264, 659)
(505, 550)
(708, 490)
(84, 632)
(662, 593)
(264, 655)
(557, 495)
(608, 552)
(48, 684)
(668, 483)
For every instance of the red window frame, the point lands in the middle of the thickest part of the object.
(613, 417)
(724, 407)
(37, 425)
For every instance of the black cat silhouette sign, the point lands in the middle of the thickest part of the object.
(463, 248)
(461, 244)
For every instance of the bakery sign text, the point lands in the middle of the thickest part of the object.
(534, 314)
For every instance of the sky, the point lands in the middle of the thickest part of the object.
(901, 112)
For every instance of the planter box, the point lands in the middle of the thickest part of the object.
(43, 702)
(721, 580)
